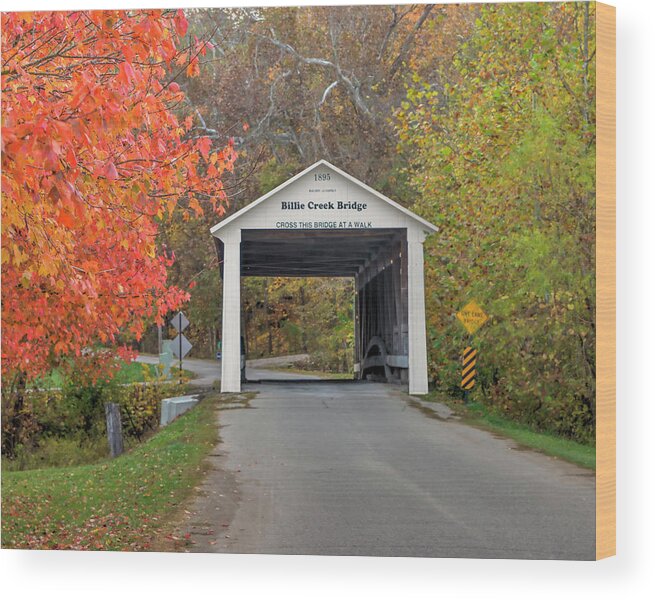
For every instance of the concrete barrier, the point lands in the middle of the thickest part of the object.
(172, 408)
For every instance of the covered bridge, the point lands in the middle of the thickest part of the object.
(325, 223)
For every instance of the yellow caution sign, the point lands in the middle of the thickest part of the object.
(472, 317)
(469, 358)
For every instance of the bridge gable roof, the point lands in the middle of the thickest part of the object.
(356, 188)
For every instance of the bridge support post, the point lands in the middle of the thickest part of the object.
(231, 341)
(418, 367)
(358, 330)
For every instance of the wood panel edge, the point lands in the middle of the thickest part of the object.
(606, 281)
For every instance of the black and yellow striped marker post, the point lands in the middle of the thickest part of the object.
(469, 358)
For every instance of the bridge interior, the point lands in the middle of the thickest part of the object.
(376, 259)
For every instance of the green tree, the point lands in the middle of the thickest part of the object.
(502, 152)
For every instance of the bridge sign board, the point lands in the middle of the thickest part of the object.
(472, 317)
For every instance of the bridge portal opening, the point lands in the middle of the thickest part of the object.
(325, 223)
(309, 321)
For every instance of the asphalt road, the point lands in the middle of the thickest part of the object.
(359, 469)
(207, 372)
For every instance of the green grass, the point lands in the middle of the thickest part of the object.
(478, 415)
(69, 451)
(136, 372)
(120, 504)
(133, 372)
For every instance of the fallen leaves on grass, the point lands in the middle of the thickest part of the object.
(123, 504)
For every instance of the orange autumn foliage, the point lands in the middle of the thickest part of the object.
(94, 158)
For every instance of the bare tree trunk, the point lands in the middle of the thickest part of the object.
(12, 434)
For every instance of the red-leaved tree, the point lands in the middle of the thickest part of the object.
(94, 156)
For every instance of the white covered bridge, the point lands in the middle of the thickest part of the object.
(325, 223)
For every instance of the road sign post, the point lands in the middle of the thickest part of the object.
(181, 345)
(472, 318)
(469, 359)
(180, 338)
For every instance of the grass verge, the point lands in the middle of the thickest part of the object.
(478, 415)
(138, 372)
(120, 504)
(133, 372)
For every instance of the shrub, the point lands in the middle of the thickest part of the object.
(140, 406)
(67, 426)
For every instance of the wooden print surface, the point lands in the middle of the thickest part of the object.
(427, 216)
(606, 283)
